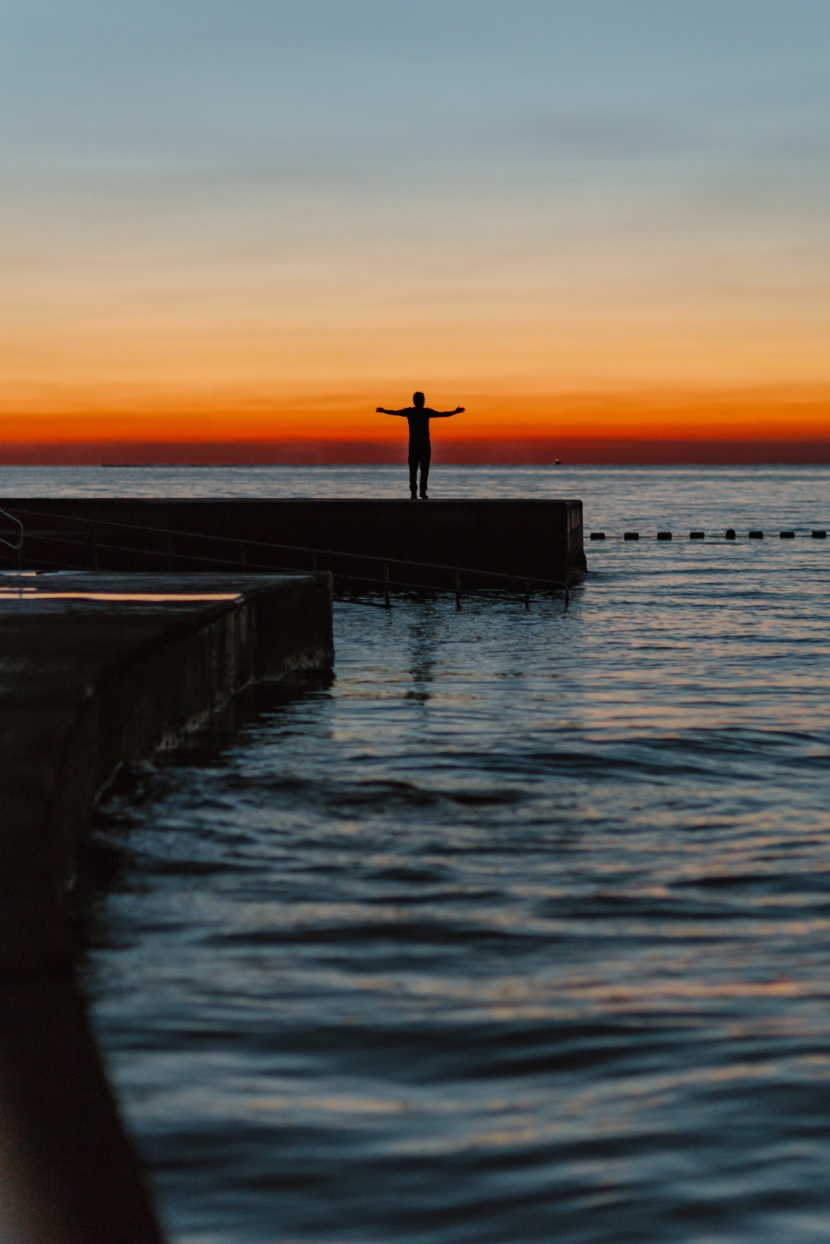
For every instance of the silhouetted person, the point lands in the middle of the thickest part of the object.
(420, 451)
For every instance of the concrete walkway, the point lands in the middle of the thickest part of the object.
(98, 670)
(491, 543)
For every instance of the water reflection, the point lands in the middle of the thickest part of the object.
(422, 657)
(517, 932)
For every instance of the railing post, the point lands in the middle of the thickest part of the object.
(527, 596)
(457, 590)
(386, 599)
(169, 545)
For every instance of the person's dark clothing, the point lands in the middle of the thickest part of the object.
(420, 453)
(418, 417)
(420, 450)
(418, 421)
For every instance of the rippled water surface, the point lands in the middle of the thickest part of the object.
(520, 929)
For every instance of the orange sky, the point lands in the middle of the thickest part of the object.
(762, 415)
(284, 346)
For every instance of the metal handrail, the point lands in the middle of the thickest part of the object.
(535, 580)
(233, 563)
(20, 532)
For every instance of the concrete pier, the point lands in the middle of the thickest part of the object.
(423, 544)
(96, 671)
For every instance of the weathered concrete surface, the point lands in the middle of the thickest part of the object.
(86, 685)
(536, 540)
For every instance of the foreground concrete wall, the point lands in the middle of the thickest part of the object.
(539, 540)
(85, 686)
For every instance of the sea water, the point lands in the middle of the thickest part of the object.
(519, 930)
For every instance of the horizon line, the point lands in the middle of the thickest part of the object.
(512, 451)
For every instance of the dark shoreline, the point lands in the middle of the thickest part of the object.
(100, 672)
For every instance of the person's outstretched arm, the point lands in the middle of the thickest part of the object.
(446, 414)
(381, 410)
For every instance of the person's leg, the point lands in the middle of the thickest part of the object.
(413, 470)
(426, 456)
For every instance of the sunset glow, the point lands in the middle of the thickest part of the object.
(277, 222)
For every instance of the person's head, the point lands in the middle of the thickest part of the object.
(417, 399)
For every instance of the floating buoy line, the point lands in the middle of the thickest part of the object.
(730, 534)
